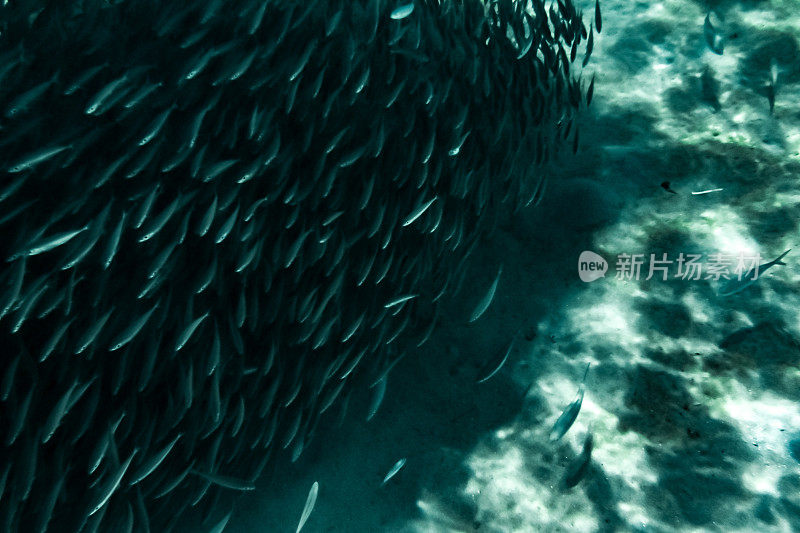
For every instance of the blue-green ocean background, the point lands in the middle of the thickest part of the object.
(686, 388)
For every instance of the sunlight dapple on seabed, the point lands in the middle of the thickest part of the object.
(769, 422)
(509, 498)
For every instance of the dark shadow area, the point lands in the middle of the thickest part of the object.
(767, 349)
(698, 459)
(434, 412)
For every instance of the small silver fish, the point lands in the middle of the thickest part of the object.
(132, 330)
(49, 243)
(227, 226)
(151, 464)
(157, 223)
(402, 11)
(418, 212)
(111, 485)
(394, 470)
(399, 300)
(483, 305)
(142, 93)
(24, 101)
(713, 38)
(189, 331)
(91, 334)
(309, 506)
(57, 414)
(81, 80)
(377, 397)
(36, 157)
(155, 126)
(569, 415)
(219, 527)
(739, 284)
(198, 65)
(494, 368)
(104, 93)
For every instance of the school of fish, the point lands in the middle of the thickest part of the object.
(217, 217)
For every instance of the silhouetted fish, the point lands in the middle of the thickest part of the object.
(578, 469)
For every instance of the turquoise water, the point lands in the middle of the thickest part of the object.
(372, 266)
